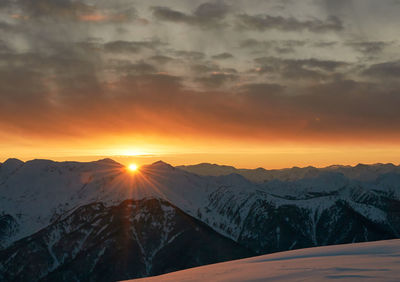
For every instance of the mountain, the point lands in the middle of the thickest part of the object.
(359, 172)
(326, 210)
(53, 213)
(37, 192)
(99, 243)
(373, 261)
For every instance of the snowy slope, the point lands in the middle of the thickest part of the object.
(37, 192)
(373, 261)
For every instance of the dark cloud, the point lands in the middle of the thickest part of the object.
(211, 68)
(223, 56)
(48, 82)
(336, 5)
(387, 70)
(7, 28)
(205, 68)
(167, 14)
(161, 59)
(229, 70)
(211, 10)
(254, 43)
(189, 55)
(207, 14)
(6, 4)
(56, 9)
(265, 22)
(4, 48)
(217, 79)
(125, 67)
(369, 48)
(298, 68)
(361, 105)
(288, 46)
(324, 44)
(62, 10)
(122, 46)
(280, 46)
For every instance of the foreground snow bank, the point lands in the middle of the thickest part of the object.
(372, 261)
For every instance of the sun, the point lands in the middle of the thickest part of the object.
(133, 167)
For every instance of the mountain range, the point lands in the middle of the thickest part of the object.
(95, 221)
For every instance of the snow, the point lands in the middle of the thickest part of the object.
(359, 172)
(373, 261)
(38, 192)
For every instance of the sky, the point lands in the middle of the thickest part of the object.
(247, 83)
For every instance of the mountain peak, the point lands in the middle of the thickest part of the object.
(107, 161)
(161, 165)
(13, 161)
(11, 165)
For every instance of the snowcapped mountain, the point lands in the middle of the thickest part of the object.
(373, 261)
(37, 192)
(359, 172)
(66, 215)
(132, 239)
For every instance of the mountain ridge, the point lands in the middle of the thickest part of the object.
(359, 171)
(324, 208)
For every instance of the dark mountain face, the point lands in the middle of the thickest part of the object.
(133, 239)
(266, 223)
(8, 226)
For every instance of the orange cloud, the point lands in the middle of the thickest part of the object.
(93, 17)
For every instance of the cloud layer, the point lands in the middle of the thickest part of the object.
(234, 70)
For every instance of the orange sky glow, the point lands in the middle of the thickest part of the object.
(184, 151)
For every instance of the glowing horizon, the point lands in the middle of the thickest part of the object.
(274, 158)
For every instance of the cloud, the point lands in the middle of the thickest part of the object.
(336, 6)
(204, 68)
(206, 14)
(62, 75)
(161, 59)
(121, 46)
(167, 14)
(369, 48)
(217, 79)
(189, 55)
(10, 28)
(6, 4)
(313, 69)
(50, 95)
(4, 48)
(223, 56)
(125, 67)
(324, 44)
(212, 69)
(68, 10)
(266, 22)
(384, 70)
(279, 46)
